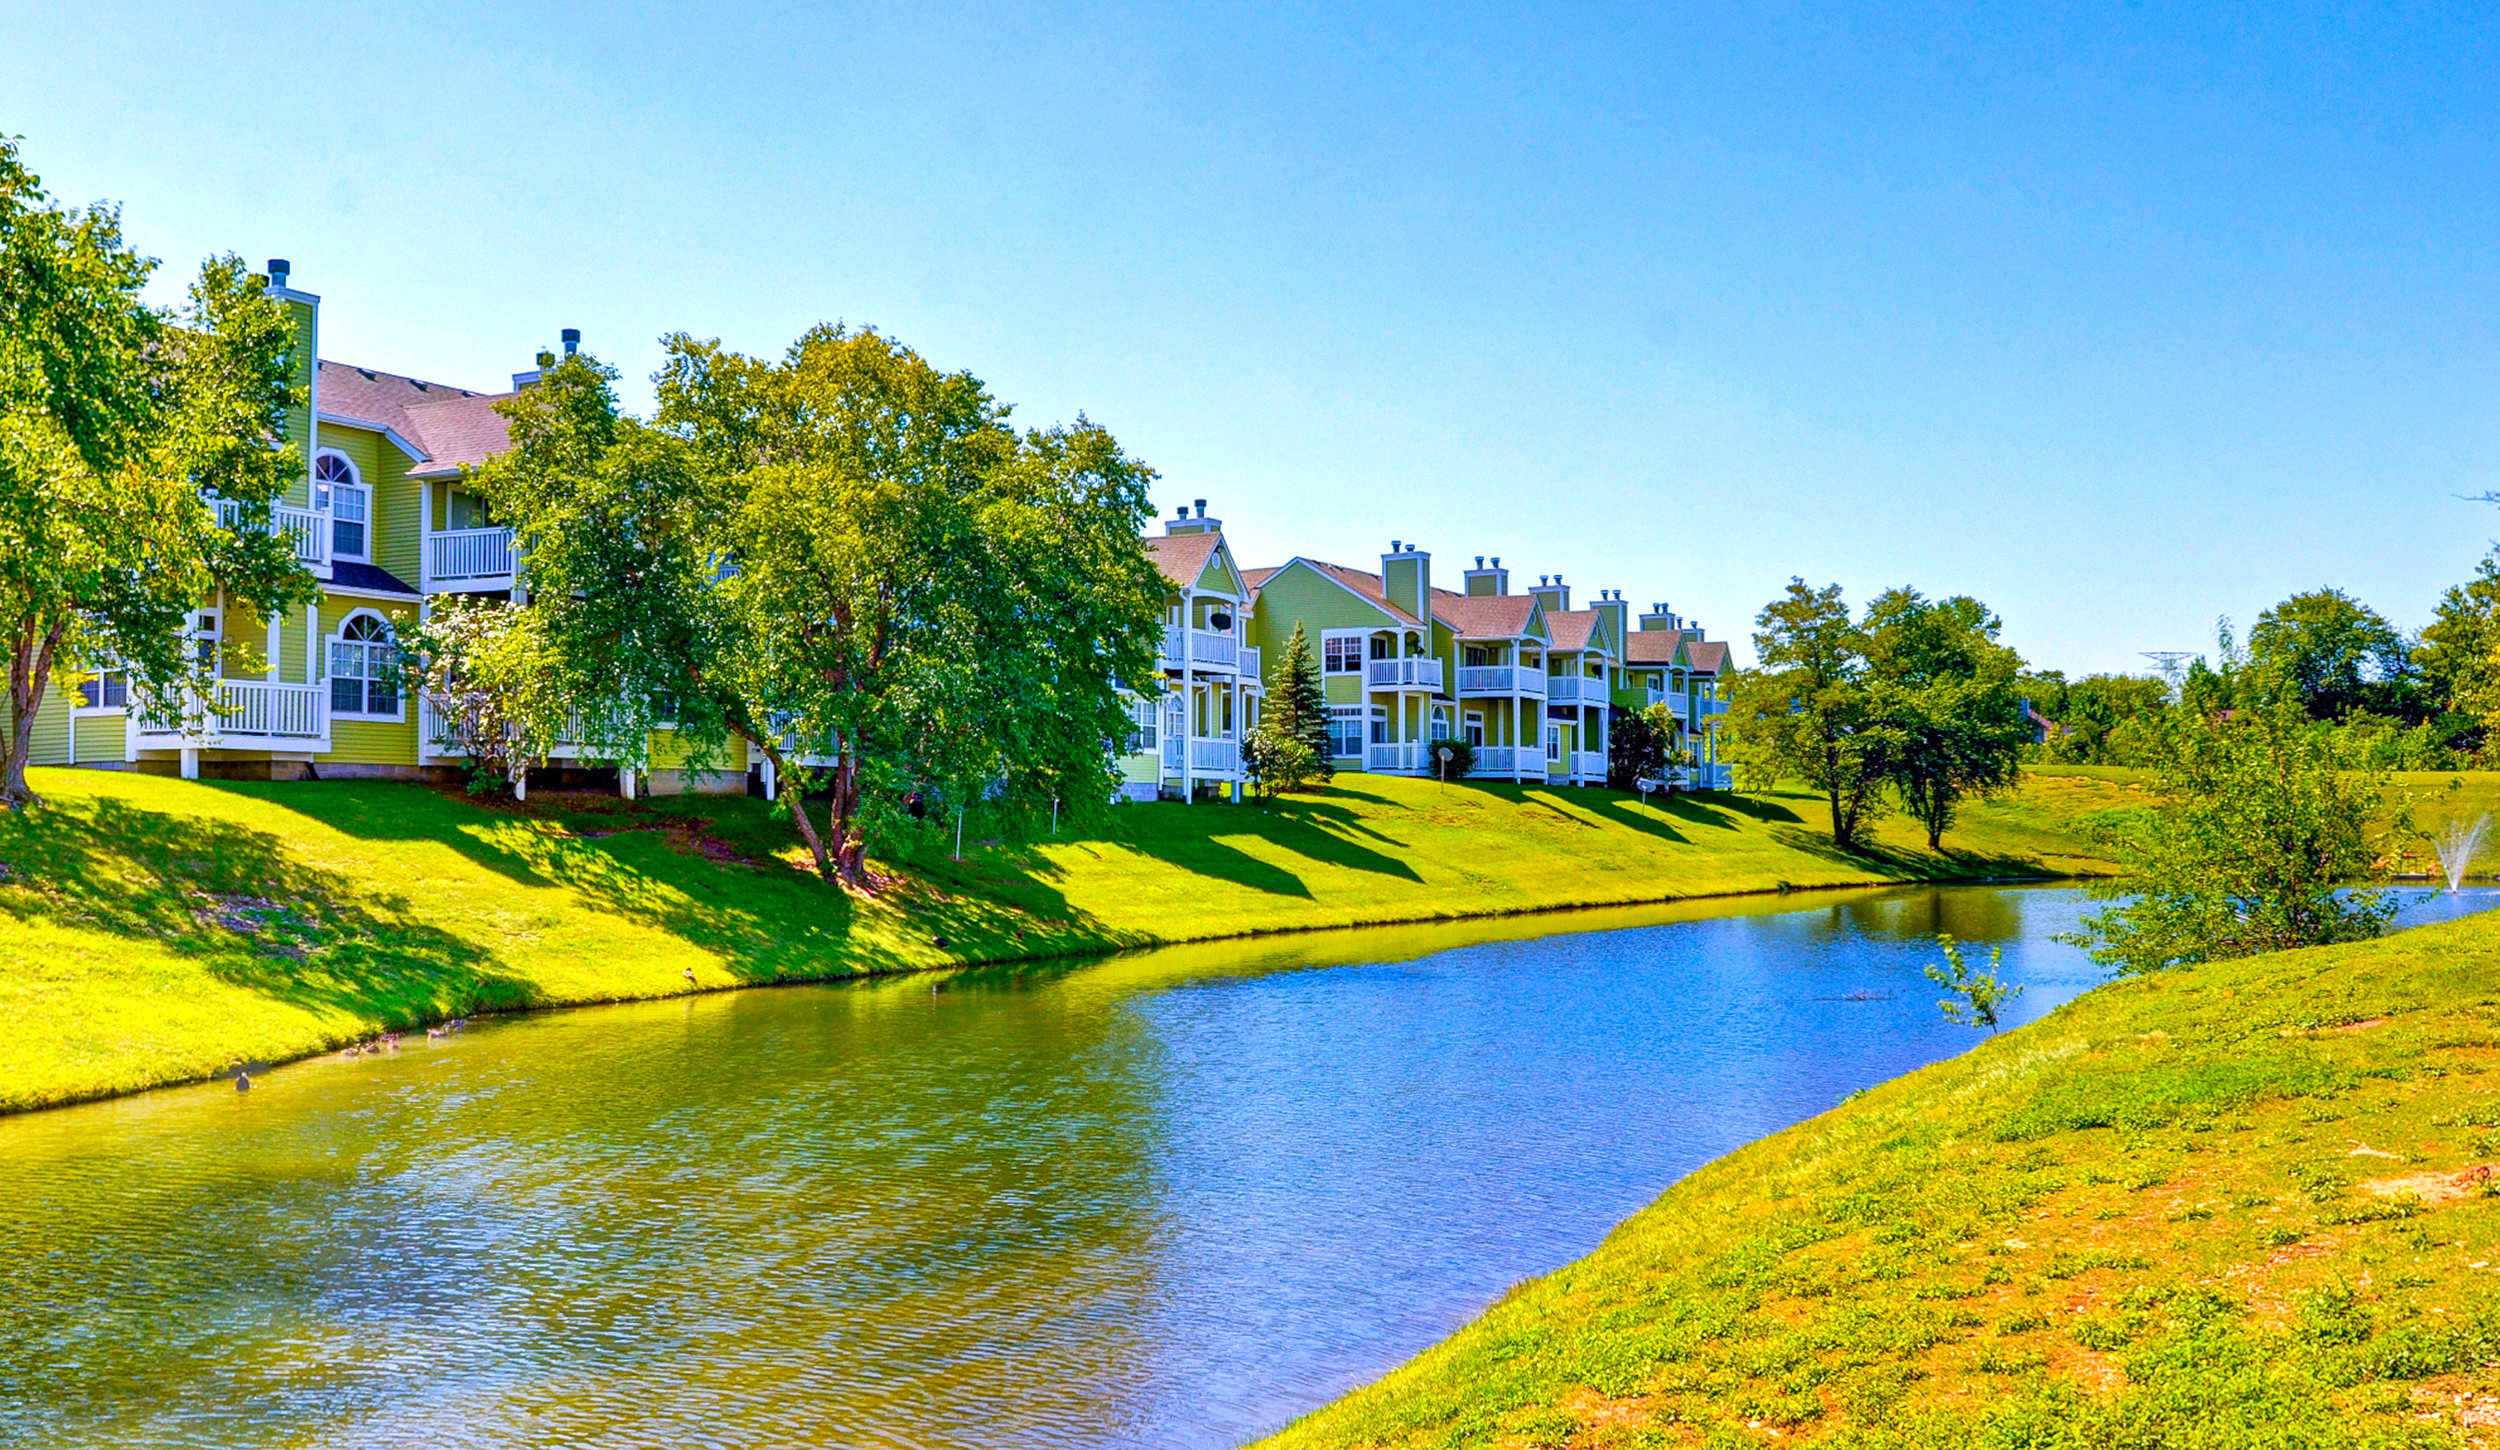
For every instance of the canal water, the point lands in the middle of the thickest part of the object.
(1171, 1199)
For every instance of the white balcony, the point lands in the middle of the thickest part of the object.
(1711, 708)
(1209, 758)
(1500, 680)
(1588, 765)
(1504, 760)
(469, 559)
(1574, 690)
(308, 531)
(1209, 650)
(244, 714)
(1250, 669)
(1415, 672)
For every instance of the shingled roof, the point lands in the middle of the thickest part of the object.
(1484, 616)
(450, 426)
(1652, 646)
(1571, 628)
(1709, 656)
(1182, 557)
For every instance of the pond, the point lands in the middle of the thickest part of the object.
(1170, 1199)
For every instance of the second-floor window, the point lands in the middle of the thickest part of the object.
(338, 493)
(1342, 654)
(364, 668)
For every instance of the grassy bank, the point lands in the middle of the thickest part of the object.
(2250, 1204)
(158, 930)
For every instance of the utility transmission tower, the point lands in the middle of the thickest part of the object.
(2170, 660)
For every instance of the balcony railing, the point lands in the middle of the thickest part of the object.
(468, 556)
(1208, 649)
(1588, 765)
(243, 712)
(1250, 664)
(308, 531)
(1415, 672)
(1574, 689)
(1502, 759)
(1500, 680)
(1394, 755)
(1713, 707)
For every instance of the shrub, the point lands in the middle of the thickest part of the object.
(1462, 759)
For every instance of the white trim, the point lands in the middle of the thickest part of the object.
(338, 636)
(415, 454)
(1312, 567)
(350, 591)
(1361, 637)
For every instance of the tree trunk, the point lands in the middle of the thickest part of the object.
(797, 790)
(30, 674)
(850, 836)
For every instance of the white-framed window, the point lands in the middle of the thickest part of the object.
(1440, 722)
(204, 636)
(1345, 729)
(364, 667)
(1146, 716)
(105, 688)
(1342, 654)
(1553, 743)
(340, 494)
(1475, 728)
(1380, 725)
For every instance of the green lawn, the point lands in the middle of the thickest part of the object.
(157, 930)
(2246, 1205)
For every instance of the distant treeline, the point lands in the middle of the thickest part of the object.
(2381, 698)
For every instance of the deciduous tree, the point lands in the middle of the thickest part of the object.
(1947, 692)
(1806, 710)
(118, 422)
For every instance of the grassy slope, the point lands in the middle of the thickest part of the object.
(2242, 1205)
(156, 930)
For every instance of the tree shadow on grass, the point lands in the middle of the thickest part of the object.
(1318, 830)
(236, 901)
(700, 868)
(1912, 863)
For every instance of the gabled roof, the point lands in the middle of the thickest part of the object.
(1364, 586)
(1709, 656)
(1182, 557)
(1573, 628)
(1653, 646)
(1489, 616)
(448, 426)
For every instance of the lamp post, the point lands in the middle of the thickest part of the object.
(1443, 753)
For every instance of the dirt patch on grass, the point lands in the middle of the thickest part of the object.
(2436, 1189)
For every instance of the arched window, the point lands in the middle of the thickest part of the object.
(337, 493)
(364, 667)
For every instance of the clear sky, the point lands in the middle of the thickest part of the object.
(2116, 319)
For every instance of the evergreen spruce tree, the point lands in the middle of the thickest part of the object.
(1296, 704)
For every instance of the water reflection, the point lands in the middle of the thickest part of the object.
(1169, 1199)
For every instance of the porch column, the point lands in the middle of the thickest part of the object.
(1189, 691)
(190, 763)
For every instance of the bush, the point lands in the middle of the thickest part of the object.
(1462, 759)
(1277, 761)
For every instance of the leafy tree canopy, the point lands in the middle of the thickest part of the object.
(2335, 655)
(118, 424)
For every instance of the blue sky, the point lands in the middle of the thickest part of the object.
(2115, 318)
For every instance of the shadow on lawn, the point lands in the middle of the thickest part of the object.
(702, 868)
(234, 899)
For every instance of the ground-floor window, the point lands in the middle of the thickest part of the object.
(364, 667)
(106, 689)
(1553, 742)
(1345, 730)
(1145, 715)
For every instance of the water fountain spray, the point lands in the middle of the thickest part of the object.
(2457, 842)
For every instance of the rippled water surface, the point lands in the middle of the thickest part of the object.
(1170, 1200)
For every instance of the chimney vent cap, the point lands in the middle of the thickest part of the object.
(278, 268)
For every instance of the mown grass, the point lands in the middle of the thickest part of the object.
(157, 930)
(2246, 1205)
